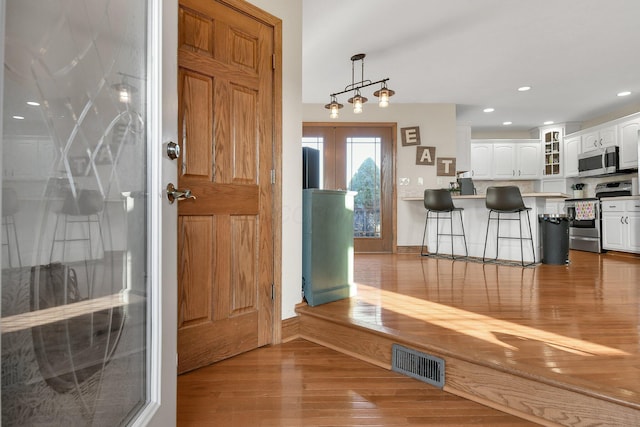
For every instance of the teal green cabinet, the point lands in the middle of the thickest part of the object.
(327, 245)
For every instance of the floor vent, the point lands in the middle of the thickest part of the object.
(423, 367)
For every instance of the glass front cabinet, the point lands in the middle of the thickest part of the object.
(553, 148)
(551, 140)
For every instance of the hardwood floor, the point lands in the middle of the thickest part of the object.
(558, 345)
(555, 344)
(303, 384)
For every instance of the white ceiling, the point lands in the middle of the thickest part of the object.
(575, 54)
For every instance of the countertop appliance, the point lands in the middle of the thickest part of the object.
(599, 162)
(585, 220)
(466, 186)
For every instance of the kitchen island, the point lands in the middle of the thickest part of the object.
(475, 215)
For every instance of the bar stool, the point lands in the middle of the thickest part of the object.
(440, 202)
(85, 209)
(507, 200)
(10, 207)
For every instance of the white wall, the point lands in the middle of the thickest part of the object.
(290, 12)
(437, 124)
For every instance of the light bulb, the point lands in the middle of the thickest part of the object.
(334, 111)
(123, 96)
(383, 100)
(357, 105)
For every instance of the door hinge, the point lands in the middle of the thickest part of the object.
(273, 292)
(273, 176)
(273, 61)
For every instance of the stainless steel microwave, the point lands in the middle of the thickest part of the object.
(603, 161)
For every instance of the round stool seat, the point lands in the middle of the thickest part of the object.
(438, 200)
(505, 199)
(89, 202)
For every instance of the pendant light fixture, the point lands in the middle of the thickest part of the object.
(124, 89)
(383, 94)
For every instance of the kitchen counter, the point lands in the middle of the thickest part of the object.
(524, 195)
(620, 198)
(475, 214)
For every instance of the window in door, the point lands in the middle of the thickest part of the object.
(359, 157)
(363, 176)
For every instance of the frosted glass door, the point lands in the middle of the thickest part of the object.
(74, 212)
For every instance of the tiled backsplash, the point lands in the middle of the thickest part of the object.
(525, 186)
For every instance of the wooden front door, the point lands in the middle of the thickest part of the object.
(225, 234)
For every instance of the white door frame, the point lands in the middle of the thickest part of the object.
(163, 108)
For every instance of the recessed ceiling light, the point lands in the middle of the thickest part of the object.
(548, 122)
(524, 88)
(489, 110)
(18, 117)
(33, 103)
(625, 93)
(506, 123)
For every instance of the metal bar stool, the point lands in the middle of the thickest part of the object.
(85, 209)
(10, 207)
(440, 202)
(507, 200)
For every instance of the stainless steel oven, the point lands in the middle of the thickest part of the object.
(584, 215)
(584, 224)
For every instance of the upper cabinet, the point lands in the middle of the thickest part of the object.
(552, 149)
(528, 155)
(481, 160)
(572, 148)
(623, 132)
(628, 139)
(599, 138)
(505, 159)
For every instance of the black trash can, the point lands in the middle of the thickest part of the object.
(554, 238)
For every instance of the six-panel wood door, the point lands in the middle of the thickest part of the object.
(225, 237)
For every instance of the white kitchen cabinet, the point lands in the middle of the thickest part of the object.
(633, 221)
(481, 160)
(621, 225)
(572, 149)
(599, 138)
(508, 159)
(504, 160)
(528, 155)
(628, 142)
(552, 151)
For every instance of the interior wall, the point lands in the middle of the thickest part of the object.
(437, 123)
(290, 12)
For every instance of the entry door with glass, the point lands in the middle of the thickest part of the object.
(359, 158)
(75, 269)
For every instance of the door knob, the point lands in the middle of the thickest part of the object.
(174, 193)
(173, 150)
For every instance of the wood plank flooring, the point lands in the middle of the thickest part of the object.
(559, 345)
(303, 384)
(568, 336)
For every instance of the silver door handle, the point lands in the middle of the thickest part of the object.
(173, 150)
(174, 193)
